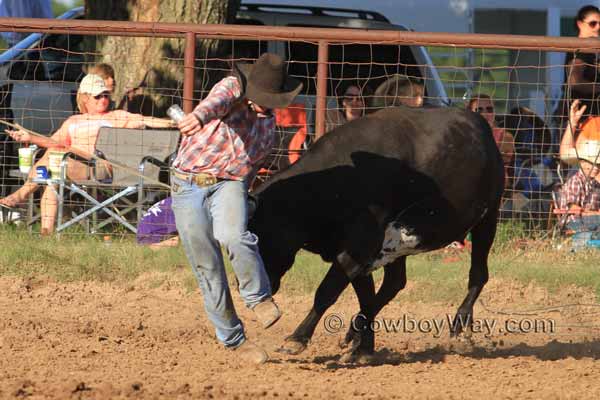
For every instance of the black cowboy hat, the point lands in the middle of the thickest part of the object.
(267, 83)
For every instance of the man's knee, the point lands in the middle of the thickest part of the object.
(232, 238)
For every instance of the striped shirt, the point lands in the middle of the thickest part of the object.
(234, 138)
(580, 191)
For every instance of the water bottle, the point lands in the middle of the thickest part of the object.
(107, 240)
(175, 113)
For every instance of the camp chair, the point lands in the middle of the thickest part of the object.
(145, 150)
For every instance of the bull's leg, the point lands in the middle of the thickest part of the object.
(327, 294)
(394, 280)
(483, 237)
(360, 333)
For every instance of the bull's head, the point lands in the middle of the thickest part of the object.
(275, 249)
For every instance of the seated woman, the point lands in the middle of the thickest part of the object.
(483, 105)
(352, 105)
(78, 134)
(106, 72)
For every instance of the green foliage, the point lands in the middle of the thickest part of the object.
(465, 72)
(59, 8)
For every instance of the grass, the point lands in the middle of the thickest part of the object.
(72, 258)
(81, 258)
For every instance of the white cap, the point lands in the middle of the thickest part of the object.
(92, 84)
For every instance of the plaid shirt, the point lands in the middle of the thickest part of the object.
(234, 139)
(581, 191)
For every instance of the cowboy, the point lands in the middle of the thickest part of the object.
(226, 138)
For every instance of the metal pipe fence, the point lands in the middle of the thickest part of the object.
(512, 69)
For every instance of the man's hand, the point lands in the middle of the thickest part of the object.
(19, 136)
(575, 113)
(189, 125)
(575, 209)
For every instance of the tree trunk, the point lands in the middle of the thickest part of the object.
(149, 71)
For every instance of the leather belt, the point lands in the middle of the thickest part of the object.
(199, 179)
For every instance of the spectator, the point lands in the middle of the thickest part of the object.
(399, 90)
(582, 80)
(351, 103)
(581, 194)
(23, 9)
(534, 169)
(106, 72)
(483, 105)
(577, 133)
(77, 134)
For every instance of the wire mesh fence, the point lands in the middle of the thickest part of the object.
(39, 82)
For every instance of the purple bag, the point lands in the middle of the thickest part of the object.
(157, 224)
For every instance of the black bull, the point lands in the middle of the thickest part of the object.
(395, 183)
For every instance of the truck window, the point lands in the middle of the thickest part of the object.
(248, 50)
(63, 56)
(374, 63)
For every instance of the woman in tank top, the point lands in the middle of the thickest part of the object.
(78, 134)
(582, 73)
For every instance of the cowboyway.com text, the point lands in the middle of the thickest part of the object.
(335, 323)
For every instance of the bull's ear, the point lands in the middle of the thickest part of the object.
(252, 205)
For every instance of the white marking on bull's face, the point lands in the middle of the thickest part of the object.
(398, 241)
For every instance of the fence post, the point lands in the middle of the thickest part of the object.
(322, 62)
(189, 59)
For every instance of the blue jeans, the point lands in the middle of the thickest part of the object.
(586, 228)
(208, 218)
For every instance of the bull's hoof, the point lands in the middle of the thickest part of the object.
(351, 339)
(292, 347)
(357, 357)
(463, 322)
(464, 344)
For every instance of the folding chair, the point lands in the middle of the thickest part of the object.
(145, 150)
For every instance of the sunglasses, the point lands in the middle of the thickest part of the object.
(488, 109)
(102, 96)
(592, 24)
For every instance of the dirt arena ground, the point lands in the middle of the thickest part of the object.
(97, 341)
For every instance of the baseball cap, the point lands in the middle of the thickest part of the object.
(92, 84)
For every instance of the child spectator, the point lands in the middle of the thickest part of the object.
(399, 90)
(580, 195)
